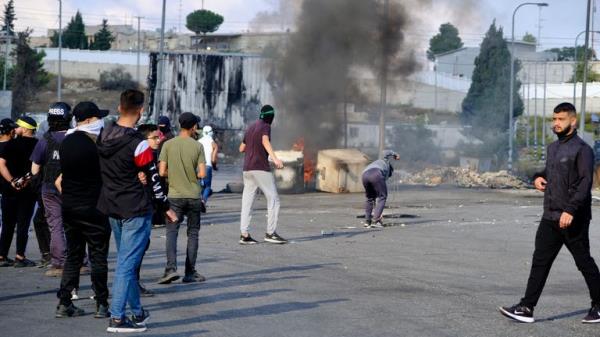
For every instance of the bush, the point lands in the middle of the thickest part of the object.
(117, 79)
(415, 145)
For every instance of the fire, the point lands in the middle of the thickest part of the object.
(309, 164)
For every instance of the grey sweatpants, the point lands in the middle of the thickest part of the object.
(266, 182)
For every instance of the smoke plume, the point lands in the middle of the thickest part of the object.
(332, 38)
(281, 18)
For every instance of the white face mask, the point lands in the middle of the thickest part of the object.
(94, 127)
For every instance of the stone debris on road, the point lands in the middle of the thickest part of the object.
(462, 177)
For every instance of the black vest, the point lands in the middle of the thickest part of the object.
(52, 166)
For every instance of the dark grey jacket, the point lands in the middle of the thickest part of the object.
(569, 172)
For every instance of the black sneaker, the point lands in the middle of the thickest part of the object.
(518, 312)
(202, 206)
(45, 261)
(168, 277)
(274, 238)
(102, 311)
(63, 311)
(24, 263)
(6, 262)
(195, 277)
(124, 325)
(142, 319)
(145, 292)
(367, 224)
(247, 240)
(593, 315)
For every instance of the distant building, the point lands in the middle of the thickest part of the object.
(240, 42)
(461, 62)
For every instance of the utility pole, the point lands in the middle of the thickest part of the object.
(544, 112)
(585, 66)
(59, 77)
(7, 42)
(139, 48)
(160, 69)
(539, 36)
(535, 109)
(384, 79)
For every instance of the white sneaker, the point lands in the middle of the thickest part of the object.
(74, 295)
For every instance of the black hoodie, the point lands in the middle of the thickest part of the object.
(123, 154)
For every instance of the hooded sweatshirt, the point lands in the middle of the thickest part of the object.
(123, 154)
(383, 165)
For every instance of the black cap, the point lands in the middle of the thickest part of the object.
(85, 110)
(164, 120)
(60, 110)
(6, 125)
(187, 120)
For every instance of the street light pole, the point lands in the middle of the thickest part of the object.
(585, 65)
(575, 62)
(512, 81)
(139, 48)
(59, 77)
(159, 76)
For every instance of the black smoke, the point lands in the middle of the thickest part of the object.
(332, 39)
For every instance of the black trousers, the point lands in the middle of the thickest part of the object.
(17, 210)
(548, 242)
(42, 231)
(85, 225)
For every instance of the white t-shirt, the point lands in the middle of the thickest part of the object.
(207, 143)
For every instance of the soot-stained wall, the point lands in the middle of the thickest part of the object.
(224, 90)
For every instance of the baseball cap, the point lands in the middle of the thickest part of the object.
(85, 110)
(187, 120)
(27, 122)
(60, 109)
(207, 130)
(164, 120)
(6, 125)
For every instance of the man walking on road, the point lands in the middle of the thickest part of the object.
(182, 161)
(257, 174)
(566, 182)
(123, 198)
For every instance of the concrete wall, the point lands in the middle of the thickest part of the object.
(85, 70)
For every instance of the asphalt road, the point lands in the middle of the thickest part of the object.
(452, 256)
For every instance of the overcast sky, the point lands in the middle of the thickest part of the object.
(562, 20)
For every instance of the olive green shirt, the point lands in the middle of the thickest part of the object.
(182, 155)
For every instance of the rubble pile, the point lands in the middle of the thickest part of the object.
(463, 178)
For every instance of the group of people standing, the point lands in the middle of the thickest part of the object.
(94, 178)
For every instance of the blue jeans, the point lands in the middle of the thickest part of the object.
(206, 184)
(131, 236)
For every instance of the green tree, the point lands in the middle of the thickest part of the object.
(103, 38)
(568, 53)
(528, 37)
(592, 76)
(203, 21)
(73, 35)
(446, 40)
(29, 75)
(485, 108)
(9, 18)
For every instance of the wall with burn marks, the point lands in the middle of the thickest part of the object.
(225, 90)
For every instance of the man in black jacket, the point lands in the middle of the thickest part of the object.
(123, 153)
(566, 182)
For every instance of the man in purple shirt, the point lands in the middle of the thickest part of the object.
(46, 155)
(257, 174)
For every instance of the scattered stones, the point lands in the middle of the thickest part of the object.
(462, 177)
